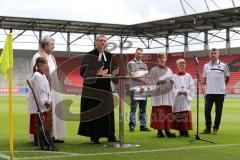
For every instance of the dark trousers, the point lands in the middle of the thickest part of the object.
(218, 99)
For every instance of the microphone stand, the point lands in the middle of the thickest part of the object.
(197, 137)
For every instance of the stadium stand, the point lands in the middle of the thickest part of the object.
(232, 60)
(69, 69)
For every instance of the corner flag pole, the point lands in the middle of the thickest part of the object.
(10, 115)
(6, 61)
(10, 102)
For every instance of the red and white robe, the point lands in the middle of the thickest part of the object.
(161, 100)
(41, 88)
(182, 104)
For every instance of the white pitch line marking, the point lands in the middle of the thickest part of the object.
(4, 156)
(69, 154)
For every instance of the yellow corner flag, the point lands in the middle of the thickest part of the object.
(6, 59)
(6, 65)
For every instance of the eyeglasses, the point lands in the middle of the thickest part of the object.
(214, 53)
(102, 40)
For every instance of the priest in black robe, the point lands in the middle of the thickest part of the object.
(97, 105)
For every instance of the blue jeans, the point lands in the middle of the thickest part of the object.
(142, 113)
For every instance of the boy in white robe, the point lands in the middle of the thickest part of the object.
(161, 84)
(41, 88)
(184, 91)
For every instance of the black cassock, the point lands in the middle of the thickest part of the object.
(97, 106)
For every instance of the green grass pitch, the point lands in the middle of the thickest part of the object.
(227, 145)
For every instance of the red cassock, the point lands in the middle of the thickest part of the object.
(34, 121)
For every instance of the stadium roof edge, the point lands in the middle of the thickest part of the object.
(214, 20)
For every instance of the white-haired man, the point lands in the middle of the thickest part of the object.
(56, 121)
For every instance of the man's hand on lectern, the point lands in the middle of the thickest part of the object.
(102, 72)
(115, 72)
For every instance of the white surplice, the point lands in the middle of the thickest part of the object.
(159, 96)
(41, 88)
(183, 83)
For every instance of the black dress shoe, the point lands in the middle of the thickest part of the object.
(112, 139)
(58, 141)
(160, 134)
(144, 129)
(206, 131)
(52, 148)
(131, 129)
(186, 134)
(181, 134)
(94, 140)
(170, 135)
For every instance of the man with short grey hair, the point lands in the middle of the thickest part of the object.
(216, 76)
(136, 68)
(57, 124)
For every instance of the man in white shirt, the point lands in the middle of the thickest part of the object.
(216, 76)
(136, 68)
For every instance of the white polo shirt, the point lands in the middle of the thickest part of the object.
(215, 77)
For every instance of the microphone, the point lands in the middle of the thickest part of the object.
(196, 59)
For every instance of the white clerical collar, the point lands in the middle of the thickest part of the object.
(100, 57)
